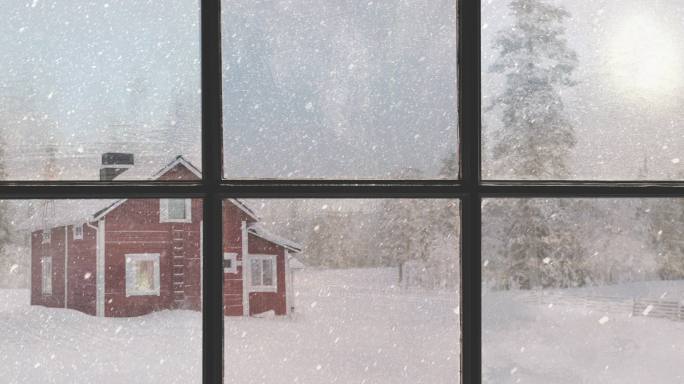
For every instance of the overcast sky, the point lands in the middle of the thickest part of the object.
(348, 90)
(319, 89)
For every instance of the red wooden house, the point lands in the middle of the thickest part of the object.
(130, 257)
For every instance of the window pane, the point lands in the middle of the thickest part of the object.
(343, 89)
(582, 290)
(256, 272)
(81, 79)
(582, 90)
(176, 209)
(267, 273)
(122, 304)
(365, 291)
(145, 275)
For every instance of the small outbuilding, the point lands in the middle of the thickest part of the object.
(130, 257)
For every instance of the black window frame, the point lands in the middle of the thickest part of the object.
(470, 189)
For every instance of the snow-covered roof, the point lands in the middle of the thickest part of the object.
(259, 231)
(56, 213)
(43, 214)
(148, 169)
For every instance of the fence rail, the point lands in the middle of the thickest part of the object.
(658, 308)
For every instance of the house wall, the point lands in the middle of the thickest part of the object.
(134, 227)
(232, 242)
(81, 271)
(260, 302)
(81, 285)
(54, 249)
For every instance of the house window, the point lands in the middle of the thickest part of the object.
(47, 236)
(263, 273)
(142, 274)
(175, 210)
(46, 275)
(230, 262)
(78, 232)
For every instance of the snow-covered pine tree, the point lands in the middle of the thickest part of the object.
(534, 142)
(535, 138)
(405, 231)
(665, 217)
(6, 261)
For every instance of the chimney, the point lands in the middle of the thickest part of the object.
(114, 164)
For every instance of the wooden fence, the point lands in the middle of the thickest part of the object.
(667, 309)
(673, 310)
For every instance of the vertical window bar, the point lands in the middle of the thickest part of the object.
(212, 137)
(469, 127)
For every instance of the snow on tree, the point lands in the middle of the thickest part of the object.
(423, 233)
(536, 137)
(665, 228)
(374, 233)
(7, 261)
(534, 142)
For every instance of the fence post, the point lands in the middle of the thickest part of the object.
(634, 307)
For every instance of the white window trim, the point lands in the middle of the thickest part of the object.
(164, 212)
(78, 236)
(131, 258)
(46, 236)
(263, 288)
(230, 256)
(43, 285)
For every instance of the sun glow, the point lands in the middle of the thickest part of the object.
(645, 57)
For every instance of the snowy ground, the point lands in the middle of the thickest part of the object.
(352, 326)
(527, 342)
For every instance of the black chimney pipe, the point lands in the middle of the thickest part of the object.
(114, 164)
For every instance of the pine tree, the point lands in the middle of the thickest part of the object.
(534, 142)
(6, 261)
(665, 228)
(536, 137)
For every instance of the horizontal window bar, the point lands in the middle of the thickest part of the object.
(85, 190)
(343, 191)
(340, 182)
(581, 189)
(98, 190)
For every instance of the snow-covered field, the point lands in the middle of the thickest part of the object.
(351, 326)
(565, 342)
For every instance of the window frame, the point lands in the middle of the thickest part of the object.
(261, 258)
(130, 260)
(164, 211)
(232, 256)
(470, 189)
(78, 231)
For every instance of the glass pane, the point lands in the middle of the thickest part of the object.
(176, 209)
(267, 273)
(365, 291)
(83, 79)
(144, 279)
(582, 89)
(68, 313)
(582, 290)
(340, 90)
(256, 272)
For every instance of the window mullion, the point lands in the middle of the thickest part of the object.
(469, 103)
(212, 293)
